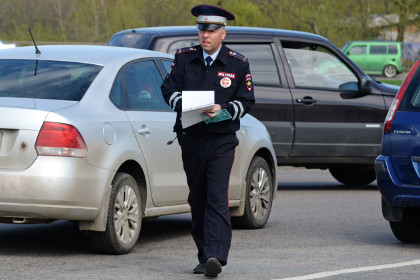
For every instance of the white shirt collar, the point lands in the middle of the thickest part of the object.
(213, 56)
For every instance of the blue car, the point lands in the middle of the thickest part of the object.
(398, 166)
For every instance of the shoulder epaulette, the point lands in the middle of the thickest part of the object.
(184, 50)
(238, 56)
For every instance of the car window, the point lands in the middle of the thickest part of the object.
(411, 99)
(46, 79)
(358, 50)
(261, 62)
(381, 49)
(314, 66)
(117, 92)
(167, 64)
(142, 81)
(174, 46)
(393, 49)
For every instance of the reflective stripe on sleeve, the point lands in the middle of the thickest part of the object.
(175, 102)
(241, 109)
(174, 99)
(235, 108)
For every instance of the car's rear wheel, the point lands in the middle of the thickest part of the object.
(353, 175)
(407, 231)
(390, 71)
(258, 196)
(124, 218)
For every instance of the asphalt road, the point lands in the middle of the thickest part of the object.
(317, 226)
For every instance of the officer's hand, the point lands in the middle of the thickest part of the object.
(213, 111)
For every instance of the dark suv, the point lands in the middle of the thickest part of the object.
(321, 110)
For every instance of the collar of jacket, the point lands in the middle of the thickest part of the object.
(222, 56)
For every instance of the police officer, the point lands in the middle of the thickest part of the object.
(208, 149)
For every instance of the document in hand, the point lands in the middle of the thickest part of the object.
(193, 104)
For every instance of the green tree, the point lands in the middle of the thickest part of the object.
(408, 14)
(96, 20)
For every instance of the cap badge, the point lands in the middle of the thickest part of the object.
(225, 82)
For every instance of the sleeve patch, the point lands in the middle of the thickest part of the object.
(185, 50)
(248, 82)
(238, 56)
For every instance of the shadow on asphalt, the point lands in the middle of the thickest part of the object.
(64, 238)
(323, 187)
(57, 238)
(171, 226)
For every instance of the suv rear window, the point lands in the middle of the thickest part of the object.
(411, 99)
(46, 79)
(262, 62)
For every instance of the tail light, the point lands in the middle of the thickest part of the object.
(394, 106)
(58, 139)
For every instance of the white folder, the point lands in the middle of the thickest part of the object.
(193, 104)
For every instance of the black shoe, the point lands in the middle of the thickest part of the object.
(213, 267)
(200, 269)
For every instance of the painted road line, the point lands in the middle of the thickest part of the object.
(351, 270)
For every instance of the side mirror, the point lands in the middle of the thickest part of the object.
(365, 86)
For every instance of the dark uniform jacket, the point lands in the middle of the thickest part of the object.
(229, 76)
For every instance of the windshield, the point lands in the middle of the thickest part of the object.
(45, 79)
(130, 40)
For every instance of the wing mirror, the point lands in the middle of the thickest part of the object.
(365, 86)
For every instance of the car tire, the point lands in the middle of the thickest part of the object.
(123, 220)
(390, 71)
(258, 196)
(407, 231)
(357, 175)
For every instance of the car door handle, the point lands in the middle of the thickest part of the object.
(144, 131)
(306, 100)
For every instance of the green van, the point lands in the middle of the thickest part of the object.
(376, 57)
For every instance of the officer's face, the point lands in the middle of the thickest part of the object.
(211, 40)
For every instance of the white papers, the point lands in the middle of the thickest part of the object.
(193, 104)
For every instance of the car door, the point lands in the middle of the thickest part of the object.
(273, 106)
(332, 118)
(152, 121)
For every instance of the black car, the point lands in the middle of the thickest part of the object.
(321, 109)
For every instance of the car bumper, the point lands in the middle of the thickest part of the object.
(394, 192)
(53, 188)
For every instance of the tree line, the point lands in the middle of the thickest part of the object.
(94, 21)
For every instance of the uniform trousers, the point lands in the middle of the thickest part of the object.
(208, 161)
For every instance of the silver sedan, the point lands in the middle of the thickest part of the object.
(85, 135)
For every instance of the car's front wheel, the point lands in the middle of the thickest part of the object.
(353, 175)
(124, 218)
(258, 196)
(390, 71)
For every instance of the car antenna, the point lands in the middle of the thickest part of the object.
(33, 40)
